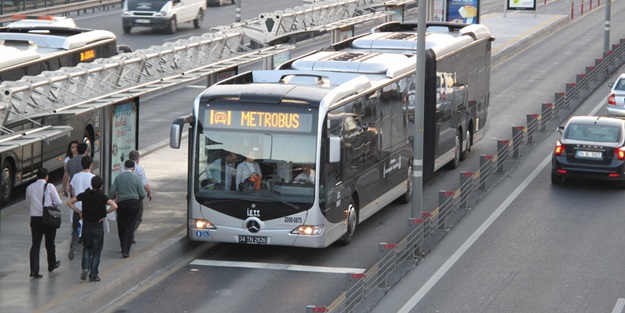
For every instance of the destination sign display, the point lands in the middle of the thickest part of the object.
(258, 120)
(87, 55)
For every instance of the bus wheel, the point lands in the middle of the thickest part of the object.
(407, 196)
(467, 147)
(457, 151)
(352, 222)
(127, 29)
(6, 180)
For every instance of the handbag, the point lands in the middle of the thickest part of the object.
(51, 215)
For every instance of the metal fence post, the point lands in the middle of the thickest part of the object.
(466, 188)
(502, 154)
(445, 207)
(517, 139)
(416, 235)
(485, 161)
(532, 126)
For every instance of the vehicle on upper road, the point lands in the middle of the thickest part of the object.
(162, 14)
(616, 99)
(590, 147)
(41, 20)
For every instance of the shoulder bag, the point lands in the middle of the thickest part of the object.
(51, 215)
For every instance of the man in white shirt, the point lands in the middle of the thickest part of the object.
(34, 196)
(306, 176)
(80, 182)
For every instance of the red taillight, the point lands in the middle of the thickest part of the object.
(612, 99)
(620, 153)
(559, 150)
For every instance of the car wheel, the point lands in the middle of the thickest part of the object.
(6, 182)
(352, 222)
(197, 22)
(127, 29)
(556, 180)
(172, 27)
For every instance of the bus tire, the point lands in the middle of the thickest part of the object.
(407, 196)
(455, 162)
(126, 29)
(352, 222)
(172, 27)
(6, 180)
(466, 148)
(197, 22)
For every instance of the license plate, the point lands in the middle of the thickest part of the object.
(253, 240)
(143, 21)
(589, 154)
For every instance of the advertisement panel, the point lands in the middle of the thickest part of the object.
(124, 134)
(463, 11)
(521, 5)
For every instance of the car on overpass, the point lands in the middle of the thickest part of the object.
(590, 147)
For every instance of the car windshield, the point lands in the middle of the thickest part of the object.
(592, 132)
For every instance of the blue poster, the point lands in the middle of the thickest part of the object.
(463, 11)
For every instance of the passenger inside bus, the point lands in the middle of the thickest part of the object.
(307, 176)
(249, 171)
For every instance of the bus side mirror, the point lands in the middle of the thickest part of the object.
(334, 149)
(175, 131)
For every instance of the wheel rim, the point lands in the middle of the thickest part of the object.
(351, 219)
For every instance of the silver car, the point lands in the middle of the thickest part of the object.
(616, 100)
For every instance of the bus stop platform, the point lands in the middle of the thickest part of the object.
(161, 238)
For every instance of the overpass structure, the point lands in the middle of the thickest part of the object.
(90, 86)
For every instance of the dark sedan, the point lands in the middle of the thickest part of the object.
(590, 147)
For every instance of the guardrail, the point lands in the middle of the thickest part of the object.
(50, 7)
(396, 259)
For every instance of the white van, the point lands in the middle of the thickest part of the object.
(162, 14)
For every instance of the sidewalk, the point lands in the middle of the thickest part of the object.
(161, 238)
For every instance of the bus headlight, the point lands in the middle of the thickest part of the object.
(308, 230)
(203, 224)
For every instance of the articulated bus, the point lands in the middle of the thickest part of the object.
(30, 50)
(328, 136)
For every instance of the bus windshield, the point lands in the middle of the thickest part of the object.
(266, 165)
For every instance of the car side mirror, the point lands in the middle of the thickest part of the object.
(560, 129)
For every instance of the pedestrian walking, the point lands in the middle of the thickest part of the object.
(38, 195)
(74, 166)
(80, 182)
(93, 213)
(72, 151)
(135, 156)
(128, 191)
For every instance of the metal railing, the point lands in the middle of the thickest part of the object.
(396, 260)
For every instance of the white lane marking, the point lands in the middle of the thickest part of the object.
(619, 306)
(417, 297)
(283, 267)
(197, 86)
